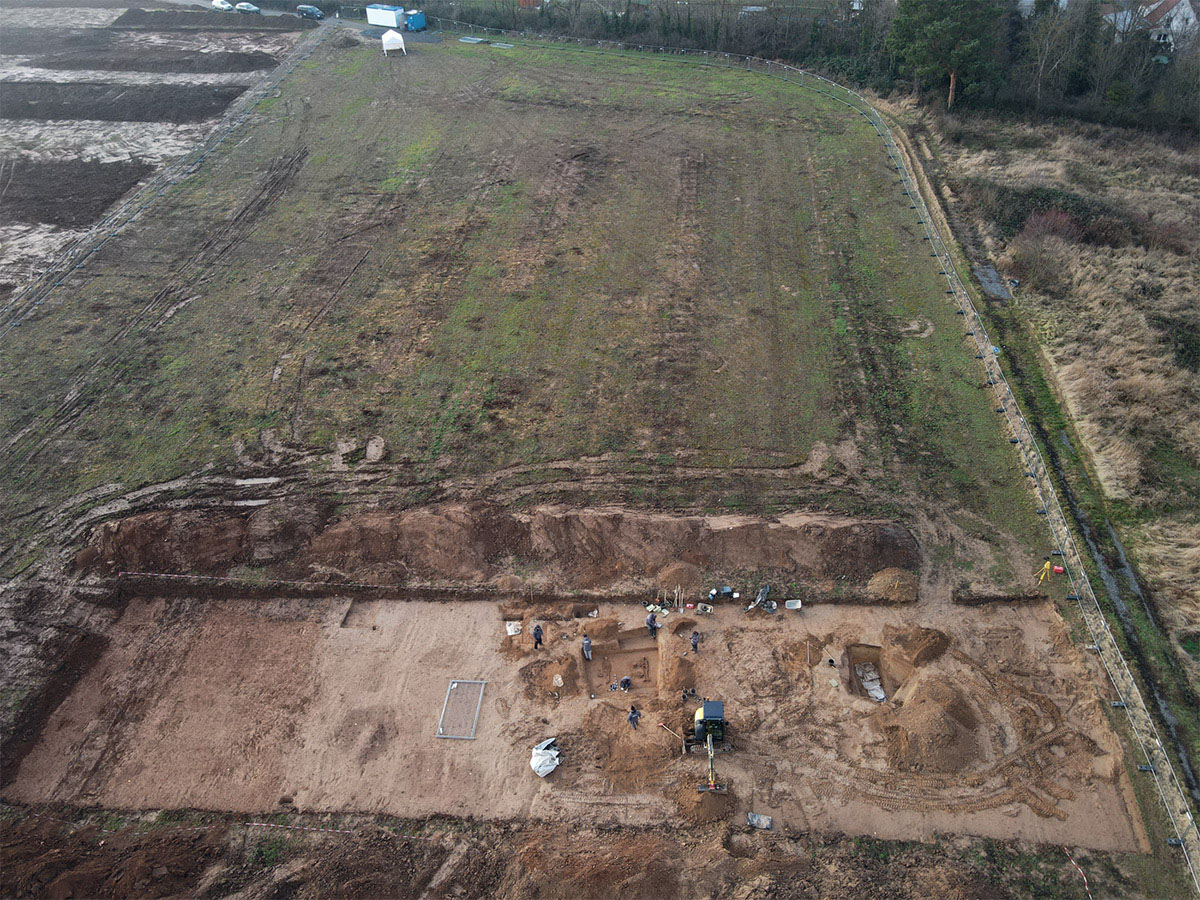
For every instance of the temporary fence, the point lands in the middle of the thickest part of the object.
(1129, 697)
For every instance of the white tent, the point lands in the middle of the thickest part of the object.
(393, 40)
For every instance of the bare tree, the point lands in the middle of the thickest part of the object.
(1049, 47)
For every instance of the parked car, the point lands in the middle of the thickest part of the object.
(305, 11)
(248, 8)
(222, 5)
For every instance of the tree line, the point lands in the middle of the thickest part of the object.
(1082, 58)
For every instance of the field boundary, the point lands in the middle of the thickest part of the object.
(29, 299)
(1129, 695)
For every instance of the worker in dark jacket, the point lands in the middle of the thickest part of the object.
(652, 625)
(695, 642)
(633, 717)
(538, 634)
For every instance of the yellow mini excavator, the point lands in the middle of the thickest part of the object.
(710, 731)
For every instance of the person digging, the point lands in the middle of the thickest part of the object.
(538, 634)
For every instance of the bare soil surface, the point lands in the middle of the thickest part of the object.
(547, 547)
(75, 17)
(68, 194)
(166, 19)
(163, 60)
(121, 103)
(156, 143)
(164, 856)
(990, 728)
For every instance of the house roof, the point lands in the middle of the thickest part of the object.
(1155, 15)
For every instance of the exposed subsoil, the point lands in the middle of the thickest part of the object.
(482, 544)
(165, 20)
(158, 60)
(514, 861)
(22, 40)
(68, 194)
(120, 103)
(990, 726)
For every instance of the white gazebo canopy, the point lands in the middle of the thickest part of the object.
(393, 40)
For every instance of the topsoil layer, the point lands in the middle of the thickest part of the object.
(165, 20)
(21, 41)
(69, 194)
(156, 60)
(48, 101)
(79, 4)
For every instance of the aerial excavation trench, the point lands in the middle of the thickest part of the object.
(223, 695)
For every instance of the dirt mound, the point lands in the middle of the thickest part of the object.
(279, 529)
(893, 585)
(699, 807)
(904, 650)
(481, 544)
(683, 575)
(165, 20)
(38, 862)
(683, 626)
(179, 542)
(676, 673)
(542, 678)
(935, 730)
(71, 194)
(160, 60)
(644, 866)
(602, 546)
(458, 542)
(176, 103)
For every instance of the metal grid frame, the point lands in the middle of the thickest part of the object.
(453, 685)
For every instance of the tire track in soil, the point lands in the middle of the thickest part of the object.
(125, 356)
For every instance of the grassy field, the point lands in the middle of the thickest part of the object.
(495, 258)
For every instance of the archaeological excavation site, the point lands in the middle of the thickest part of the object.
(484, 472)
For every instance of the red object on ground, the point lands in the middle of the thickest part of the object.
(1058, 570)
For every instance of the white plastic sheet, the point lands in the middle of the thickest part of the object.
(545, 758)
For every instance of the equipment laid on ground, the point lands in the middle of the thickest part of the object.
(762, 602)
(710, 731)
(797, 605)
(725, 593)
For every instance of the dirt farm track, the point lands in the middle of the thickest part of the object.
(430, 350)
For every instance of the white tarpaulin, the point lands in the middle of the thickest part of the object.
(545, 758)
(393, 40)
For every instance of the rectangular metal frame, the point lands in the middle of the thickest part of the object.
(454, 682)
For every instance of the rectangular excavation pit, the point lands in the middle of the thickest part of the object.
(864, 658)
(632, 652)
(360, 614)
